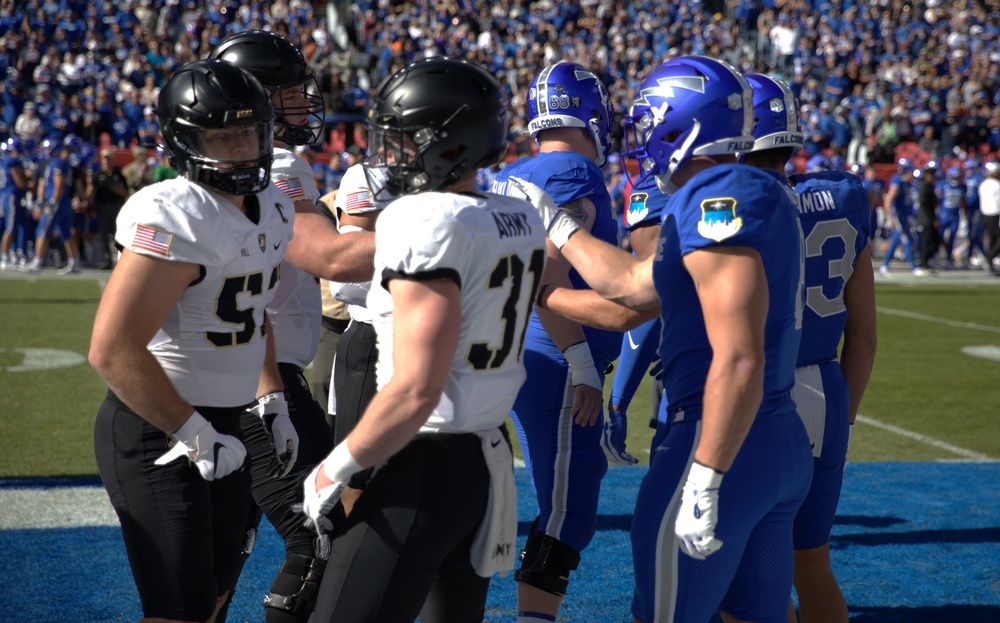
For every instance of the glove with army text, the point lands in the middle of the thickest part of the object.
(272, 409)
(214, 454)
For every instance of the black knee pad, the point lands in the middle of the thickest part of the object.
(546, 562)
(294, 589)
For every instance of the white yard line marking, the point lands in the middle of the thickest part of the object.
(930, 441)
(935, 319)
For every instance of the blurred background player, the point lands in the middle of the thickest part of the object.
(181, 339)
(13, 195)
(558, 413)
(54, 208)
(457, 273)
(989, 207)
(928, 203)
(840, 301)
(899, 200)
(952, 193)
(732, 301)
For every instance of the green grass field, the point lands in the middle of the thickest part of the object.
(927, 400)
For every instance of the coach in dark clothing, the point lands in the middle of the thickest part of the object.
(110, 191)
(927, 204)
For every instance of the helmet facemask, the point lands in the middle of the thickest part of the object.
(234, 160)
(298, 112)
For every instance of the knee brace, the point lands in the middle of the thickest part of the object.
(546, 562)
(295, 587)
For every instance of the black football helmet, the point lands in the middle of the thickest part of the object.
(279, 65)
(218, 125)
(431, 123)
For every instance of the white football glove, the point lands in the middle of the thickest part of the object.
(699, 512)
(272, 409)
(214, 454)
(316, 505)
(558, 224)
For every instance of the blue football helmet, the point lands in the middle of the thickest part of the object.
(954, 173)
(904, 164)
(688, 106)
(857, 169)
(819, 162)
(838, 163)
(790, 168)
(776, 119)
(567, 95)
(50, 147)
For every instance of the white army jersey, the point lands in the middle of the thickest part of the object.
(355, 196)
(494, 248)
(211, 345)
(297, 310)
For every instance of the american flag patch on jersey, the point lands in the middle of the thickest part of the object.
(292, 187)
(360, 200)
(152, 239)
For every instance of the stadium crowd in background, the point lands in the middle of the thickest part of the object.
(875, 80)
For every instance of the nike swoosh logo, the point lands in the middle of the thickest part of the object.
(276, 246)
(630, 342)
(494, 444)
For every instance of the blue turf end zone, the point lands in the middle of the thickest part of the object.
(913, 543)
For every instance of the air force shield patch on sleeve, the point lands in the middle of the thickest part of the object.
(637, 209)
(718, 218)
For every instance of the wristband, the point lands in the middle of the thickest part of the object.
(704, 476)
(272, 397)
(562, 228)
(540, 294)
(581, 365)
(189, 430)
(340, 465)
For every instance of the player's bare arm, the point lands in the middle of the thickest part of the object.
(857, 356)
(320, 250)
(140, 294)
(732, 291)
(425, 336)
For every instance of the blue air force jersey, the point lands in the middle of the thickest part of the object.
(951, 193)
(645, 204)
(58, 166)
(729, 205)
(836, 223)
(905, 199)
(565, 177)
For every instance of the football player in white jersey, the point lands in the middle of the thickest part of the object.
(353, 377)
(296, 314)
(181, 339)
(456, 276)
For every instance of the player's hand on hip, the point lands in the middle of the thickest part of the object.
(318, 500)
(214, 454)
(613, 439)
(272, 409)
(699, 512)
(587, 403)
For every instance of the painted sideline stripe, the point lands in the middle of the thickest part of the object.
(951, 323)
(930, 441)
(56, 507)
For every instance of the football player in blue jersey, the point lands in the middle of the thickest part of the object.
(952, 191)
(54, 207)
(899, 205)
(557, 409)
(840, 300)
(732, 463)
(14, 183)
(973, 246)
